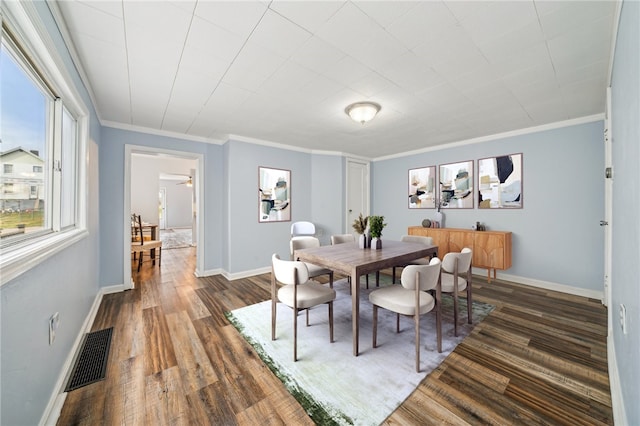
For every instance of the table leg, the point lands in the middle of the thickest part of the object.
(153, 251)
(355, 310)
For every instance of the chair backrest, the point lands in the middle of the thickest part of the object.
(419, 239)
(303, 243)
(428, 275)
(285, 271)
(302, 228)
(464, 261)
(136, 223)
(342, 239)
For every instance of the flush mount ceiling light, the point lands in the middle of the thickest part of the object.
(362, 111)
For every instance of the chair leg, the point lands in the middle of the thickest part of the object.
(331, 279)
(375, 326)
(439, 327)
(331, 322)
(416, 319)
(377, 278)
(140, 260)
(308, 309)
(367, 280)
(397, 323)
(455, 315)
(295, 335)
(160, 257)
(469, 303)
(273, 319)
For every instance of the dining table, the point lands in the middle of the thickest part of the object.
(351, 260)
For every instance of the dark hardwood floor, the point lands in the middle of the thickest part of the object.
(538, 358)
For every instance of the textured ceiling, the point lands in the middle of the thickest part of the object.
(283, 71)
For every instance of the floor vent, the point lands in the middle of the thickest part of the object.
(91, 365)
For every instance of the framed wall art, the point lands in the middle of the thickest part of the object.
(422, 188)
(500, 182)
(274, 195)
(456, 185)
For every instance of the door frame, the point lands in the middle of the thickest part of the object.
(365, 189)
(163, 206)
(199, 205)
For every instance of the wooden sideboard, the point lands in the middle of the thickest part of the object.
(491, 249)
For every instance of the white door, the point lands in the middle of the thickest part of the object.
(357, 192)
(162, 207)
(608, 202)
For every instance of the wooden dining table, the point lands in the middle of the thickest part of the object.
(353, 261)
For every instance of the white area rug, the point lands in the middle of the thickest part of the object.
(175, 238)
(334, 386)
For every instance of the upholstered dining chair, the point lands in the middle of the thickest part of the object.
(310, 242)
(141, 244)
(411, 298)
(349, 238)
(418, 239)
(455, 266)
(303, 228)
(298, 292)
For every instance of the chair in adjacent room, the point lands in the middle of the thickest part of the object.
(140, 244)
(303, 228)
(455, 266)
(298, 292)
(419, 239)
(411, 298)
(304, 242)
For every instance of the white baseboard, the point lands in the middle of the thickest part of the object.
(562, 288)
(617, 401)
(54, 407)
(246, 274)
(198, 273)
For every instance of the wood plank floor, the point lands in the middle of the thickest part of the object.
(538, 358)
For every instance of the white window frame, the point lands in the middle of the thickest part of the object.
(25, 24)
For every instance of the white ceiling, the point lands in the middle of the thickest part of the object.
(283, 71)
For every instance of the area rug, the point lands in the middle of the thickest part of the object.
(333, 386)
(175, 238)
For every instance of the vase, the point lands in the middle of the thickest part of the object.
(362, 241)
(376, 243)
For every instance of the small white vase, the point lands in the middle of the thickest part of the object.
(362, 241)
(376, 243)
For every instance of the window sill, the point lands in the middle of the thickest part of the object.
(16, 261)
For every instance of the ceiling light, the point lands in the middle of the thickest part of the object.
(362, 111)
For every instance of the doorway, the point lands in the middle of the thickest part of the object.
(357, 193)
(147, 178)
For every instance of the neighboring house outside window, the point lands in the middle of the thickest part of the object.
(44, 127)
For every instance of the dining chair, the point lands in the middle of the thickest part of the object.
(298, 292)
(411, 298)
(141, 245)
(349, 238)
(454, 267)
(299, 243)
(303, 228)
(418, 239)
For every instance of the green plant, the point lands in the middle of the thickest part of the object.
(376, 225)
(360, 224)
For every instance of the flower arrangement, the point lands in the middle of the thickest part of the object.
(376, 225)
(360, 224)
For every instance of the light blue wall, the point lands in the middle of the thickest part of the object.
(328, 199)
(556, 236)
(251, 243)
(66, 283)
(112, 152)
(625, 275)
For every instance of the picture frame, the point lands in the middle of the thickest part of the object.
(456, 185)
(274, 195)
(422, 188)
(500, 182)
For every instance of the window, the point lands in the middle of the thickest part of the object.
(43, 133)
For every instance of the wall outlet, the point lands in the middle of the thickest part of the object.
(54, 322)
(623, 318)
